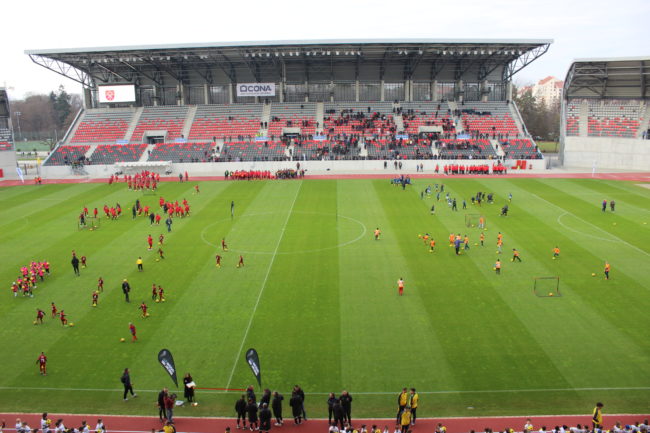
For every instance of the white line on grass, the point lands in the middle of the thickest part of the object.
(480, 391)
(266, 277)
(594, 226)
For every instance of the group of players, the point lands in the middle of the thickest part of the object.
(462, 243)
(224, 248)
(28, 277)
(140, 181)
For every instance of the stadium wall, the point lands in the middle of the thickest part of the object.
(8, 165)
(312, 167)
(607, 152)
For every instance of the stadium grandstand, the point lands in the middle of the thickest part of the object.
(359, 102)
(605, 114)
(7, 154)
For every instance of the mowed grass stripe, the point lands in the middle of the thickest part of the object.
(575, 311)
(475, 290)
(286, 323)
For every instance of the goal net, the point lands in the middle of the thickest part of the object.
(547, 287)
(474, 220)
(91, 223)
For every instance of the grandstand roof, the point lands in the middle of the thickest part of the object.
(623, 77)
(296, 61)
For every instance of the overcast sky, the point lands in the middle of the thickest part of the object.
(580, 29)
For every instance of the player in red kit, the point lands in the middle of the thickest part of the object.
(95, 298)
(53, 310)
(143, 307)
(100, 284)
(161, 239)
(241, 261)
(83, 261)
(39, 315)
(161, 294)
(42, 363)
(161, 253)
(154, 292)
(95, 211)
(64, 321)
(218, 258)
(150, 242)
(132, 331)
(196, 188)
(224, 246)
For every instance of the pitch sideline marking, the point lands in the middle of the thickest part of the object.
(482, 391)
(594, 226)
(266, 277)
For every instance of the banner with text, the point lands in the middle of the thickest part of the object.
(167, 361)
(111, 94)
(254, 363)
(255, 89)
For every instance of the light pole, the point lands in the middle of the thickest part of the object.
(18, 114)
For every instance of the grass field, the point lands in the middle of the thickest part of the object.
(317, 297)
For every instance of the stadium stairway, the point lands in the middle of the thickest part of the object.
(134, 122)
(643, 126)
(75, 125)
(516, 116)
(218, 147)
(320, 117)
(266, 117)
(189, 121)
(497, 149)
(289, 151)
(399, 122)
(583, 131)
(145, 155)
(90, 151)
(363, 150)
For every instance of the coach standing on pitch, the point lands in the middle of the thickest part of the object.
(126, 288)
(75, 264)
(126, 381)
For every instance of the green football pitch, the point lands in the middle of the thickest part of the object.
(318, 298)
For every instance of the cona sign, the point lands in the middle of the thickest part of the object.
(256, 89)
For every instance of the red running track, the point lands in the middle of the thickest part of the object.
(117, 424)
(634, 177)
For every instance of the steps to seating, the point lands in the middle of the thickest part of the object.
(320, 115)
(189, 121)
(497, 148)
(145, 155)
(584, 115)
(643, 126)
(134, 122)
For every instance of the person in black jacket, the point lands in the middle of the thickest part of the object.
(339, 415)
(330, 407)
(126, 381)
(296, 408)
(265, 417)
(251, 410)
(250, 394)
(346, 404)
(240, 408)
(188, 391)
(276, 405)
(75, 264)
(161, 404)
(266, 397)
(301, 394)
